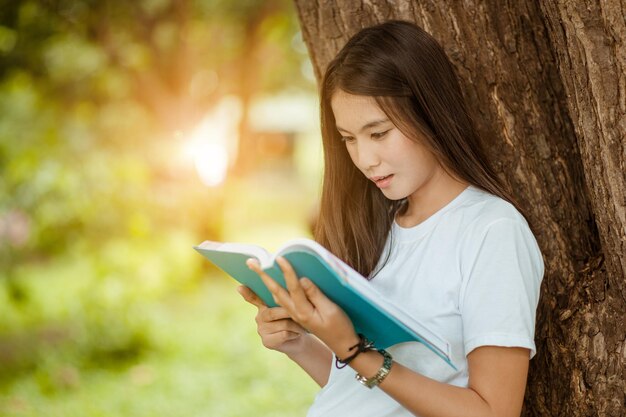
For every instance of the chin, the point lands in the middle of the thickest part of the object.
(394, 196)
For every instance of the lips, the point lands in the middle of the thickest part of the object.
(382, 181)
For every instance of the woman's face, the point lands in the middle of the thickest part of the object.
(399, 166)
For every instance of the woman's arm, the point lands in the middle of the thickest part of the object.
(497, 375)
(279, 332)
(315, 358)
(497, 381)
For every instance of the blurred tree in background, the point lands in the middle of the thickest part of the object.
(90, 90)
(99, 204)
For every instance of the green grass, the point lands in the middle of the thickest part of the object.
(141, 326)
(207, 360)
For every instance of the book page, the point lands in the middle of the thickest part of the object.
(254, 251)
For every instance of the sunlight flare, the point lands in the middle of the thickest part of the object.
(213, 144)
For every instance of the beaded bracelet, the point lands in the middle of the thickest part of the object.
(363, 346)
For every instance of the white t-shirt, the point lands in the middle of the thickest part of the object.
(470, 273)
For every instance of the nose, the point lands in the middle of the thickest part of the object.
(367, 155)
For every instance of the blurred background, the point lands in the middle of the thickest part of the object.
(129, 132)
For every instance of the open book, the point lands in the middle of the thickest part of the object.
(372, 315)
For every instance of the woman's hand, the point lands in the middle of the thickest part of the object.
(309, 307)
(279, 332)
(276, 328)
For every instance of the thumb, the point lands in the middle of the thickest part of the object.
(314, 294)
(251, 297)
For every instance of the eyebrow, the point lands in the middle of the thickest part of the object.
(367, 125)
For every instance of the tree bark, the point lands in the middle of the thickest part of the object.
(546, 87)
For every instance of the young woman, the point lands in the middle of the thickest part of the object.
(410, 201)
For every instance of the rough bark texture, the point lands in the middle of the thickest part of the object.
(546, 86)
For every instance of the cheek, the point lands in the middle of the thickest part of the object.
(352, 153)
(421, 157)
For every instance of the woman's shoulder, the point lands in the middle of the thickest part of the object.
(482, 213)
(493, 225)
(481, 208)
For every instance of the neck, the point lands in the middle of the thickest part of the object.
(430, 198)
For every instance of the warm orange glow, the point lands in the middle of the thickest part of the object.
(211, 162)
(212, 146)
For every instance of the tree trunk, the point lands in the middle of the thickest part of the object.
(546, 86)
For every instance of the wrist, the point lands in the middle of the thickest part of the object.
(346, 347)
(367, 363)
(381, 373)
(363, 345)
(300, 349)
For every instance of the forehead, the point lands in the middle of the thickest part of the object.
(354, 110)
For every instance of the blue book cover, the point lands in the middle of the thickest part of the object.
(378, 319)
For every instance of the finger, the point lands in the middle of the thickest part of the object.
(280, 326)
(315, 295)
(301, 302)
(251, 297)
(274, 313)
(275, 340)
(281, 296)
(271, 285)
(285, 335)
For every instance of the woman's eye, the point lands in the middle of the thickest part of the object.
(347, 139)
(379, 135)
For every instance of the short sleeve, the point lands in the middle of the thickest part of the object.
(502, 269)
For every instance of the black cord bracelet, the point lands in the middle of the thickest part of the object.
(363, 346)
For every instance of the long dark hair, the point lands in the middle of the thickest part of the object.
(414, 83)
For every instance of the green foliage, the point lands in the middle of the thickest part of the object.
(89, 92)
(104, 307)
(209, 367)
